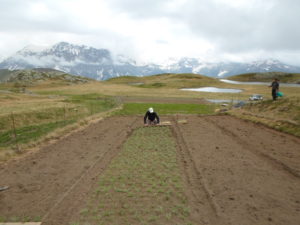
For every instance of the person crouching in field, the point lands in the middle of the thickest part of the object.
(275, 88)
(151, 117)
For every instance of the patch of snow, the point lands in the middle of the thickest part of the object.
(198, 68)
(34, 48)
(123, 60)
(66, 70)
(75, 51)
(222, 73)
(14, 67)
(272, 62)
(100, 74)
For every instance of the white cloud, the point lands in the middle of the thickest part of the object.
(155, 30)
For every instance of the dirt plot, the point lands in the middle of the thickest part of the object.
(240, 173)
(42, 180)
(235, 172)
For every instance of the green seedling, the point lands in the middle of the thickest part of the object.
(139, 185)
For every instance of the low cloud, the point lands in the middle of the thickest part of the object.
(268, 25)
(216, 28)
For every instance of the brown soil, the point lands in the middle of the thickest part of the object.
(41, 181)
(235, 172)
(239, 172)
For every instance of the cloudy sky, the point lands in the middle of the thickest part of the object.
(154, 30)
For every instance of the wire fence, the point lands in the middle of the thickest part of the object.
(21, 128)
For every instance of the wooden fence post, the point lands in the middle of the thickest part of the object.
(65, 114)
(15, 133)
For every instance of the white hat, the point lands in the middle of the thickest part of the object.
(151, 110)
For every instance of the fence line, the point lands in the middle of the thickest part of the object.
(15, 133)
(29, 126)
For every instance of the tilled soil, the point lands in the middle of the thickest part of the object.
(235, 172)
(239, 172)
(40, 182)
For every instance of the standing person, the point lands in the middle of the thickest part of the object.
(275, 88)
(151, 117)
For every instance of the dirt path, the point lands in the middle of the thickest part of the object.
(235, 172)
(42, 180)
(240, 173)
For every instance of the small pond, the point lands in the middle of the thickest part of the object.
(222, 101)
(258, 83)
(213, 89)
(136, 83)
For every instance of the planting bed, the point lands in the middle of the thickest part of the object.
(41, 181)
(211, 170)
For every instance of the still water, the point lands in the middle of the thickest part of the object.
(213, 89)
(222, 101)
(258, 83)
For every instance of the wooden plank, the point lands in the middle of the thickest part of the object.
(165, 123)
(182, 121)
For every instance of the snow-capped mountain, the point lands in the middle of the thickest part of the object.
(100, 64)
(74, 59)
(78, 60)
(223, 69)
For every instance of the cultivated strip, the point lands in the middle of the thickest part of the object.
(83, 184)
(141, 186)
(273, 161)
(202, 196)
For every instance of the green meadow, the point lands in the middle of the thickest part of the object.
(166, 108)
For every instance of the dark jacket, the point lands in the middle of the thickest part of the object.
(275, 85)
(151, 117)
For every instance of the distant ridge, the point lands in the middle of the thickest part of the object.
(267, 77)
(101, 65)
(30, 76)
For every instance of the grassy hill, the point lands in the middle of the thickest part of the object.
(33, 76)
(167, 81)
(4, 74)
(283, 115)
(267, 77)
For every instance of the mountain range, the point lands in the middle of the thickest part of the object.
(100, 64)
